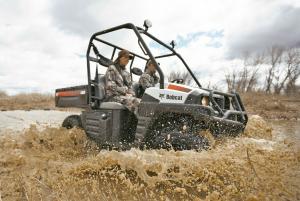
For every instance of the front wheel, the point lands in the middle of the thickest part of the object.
(72, 121)
(179, 141)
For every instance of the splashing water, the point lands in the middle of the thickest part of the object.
(60, 164)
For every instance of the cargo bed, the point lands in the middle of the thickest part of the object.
(72, 96)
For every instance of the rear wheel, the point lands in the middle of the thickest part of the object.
(72, 121)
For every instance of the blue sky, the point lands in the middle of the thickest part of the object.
(43, 43)
(184, 41)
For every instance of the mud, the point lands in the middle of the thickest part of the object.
(60, 164)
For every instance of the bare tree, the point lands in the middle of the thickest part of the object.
(213, 86)
(275, 55)
(230, 79)
(283, 71)
(256, 61)
(245, 79)
(293, 71)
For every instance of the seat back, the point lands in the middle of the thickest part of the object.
(100, 87)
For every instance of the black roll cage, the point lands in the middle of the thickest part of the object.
(138, 31)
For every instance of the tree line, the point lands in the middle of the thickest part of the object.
(278, 67)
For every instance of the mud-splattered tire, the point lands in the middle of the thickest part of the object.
(179, 141)
(72, 121)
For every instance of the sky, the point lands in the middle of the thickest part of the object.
(43, 42)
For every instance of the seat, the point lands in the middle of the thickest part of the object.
(100, 87)
(100, 93)
(112, 106)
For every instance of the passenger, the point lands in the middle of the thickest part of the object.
(149, 77)
(119, 83)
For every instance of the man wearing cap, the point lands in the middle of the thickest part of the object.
(149, 77)
(119, 83)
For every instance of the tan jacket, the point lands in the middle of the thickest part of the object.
(146, 80)
(118, 81)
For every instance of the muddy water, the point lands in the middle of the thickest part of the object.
(59, 164)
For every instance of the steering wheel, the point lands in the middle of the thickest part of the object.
(178, 81)
(137, 71)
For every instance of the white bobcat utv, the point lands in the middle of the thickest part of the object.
(170, 115)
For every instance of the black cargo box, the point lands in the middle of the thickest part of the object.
(72, 96)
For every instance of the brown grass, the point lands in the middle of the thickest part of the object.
(3, 94)
(272, 106)
(269, 106)
(25, 101)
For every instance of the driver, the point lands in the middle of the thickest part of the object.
(149, 77)
(119, 83)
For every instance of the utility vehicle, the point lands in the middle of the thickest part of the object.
(170, 115)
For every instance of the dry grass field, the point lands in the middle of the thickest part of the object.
(25, 101)
(269, 106)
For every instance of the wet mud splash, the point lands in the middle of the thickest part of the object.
(59, 164)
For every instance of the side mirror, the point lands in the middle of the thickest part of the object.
(136, 71)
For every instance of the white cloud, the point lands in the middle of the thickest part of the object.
(40, 41)
(35, 54)
(261, 24)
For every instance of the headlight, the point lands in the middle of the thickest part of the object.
(205, 100)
